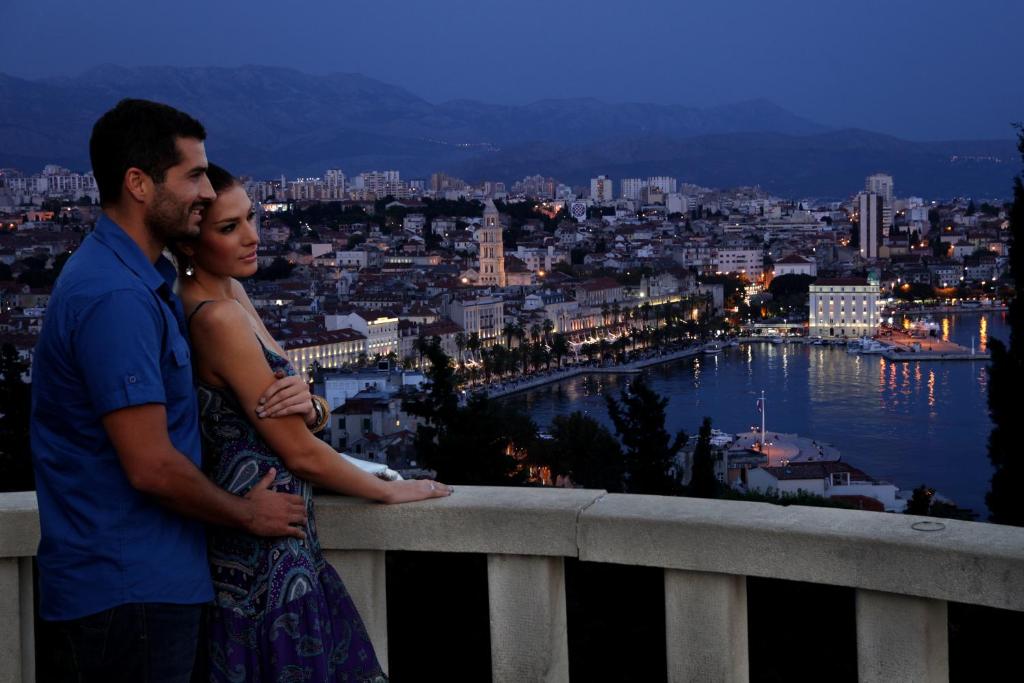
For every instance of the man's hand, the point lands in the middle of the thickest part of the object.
(155, 467)
(273, 513)
(288, 395)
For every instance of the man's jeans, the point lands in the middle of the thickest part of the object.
(141, 642)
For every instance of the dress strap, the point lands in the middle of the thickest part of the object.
(195, 310)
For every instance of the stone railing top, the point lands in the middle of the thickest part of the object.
(944, 559)
(19, 524)
(961, 561)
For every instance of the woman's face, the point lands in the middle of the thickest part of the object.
(227, 236)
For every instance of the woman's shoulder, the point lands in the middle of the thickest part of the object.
(217, 316)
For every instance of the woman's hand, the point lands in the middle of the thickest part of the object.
(409, 490)
(288, 395)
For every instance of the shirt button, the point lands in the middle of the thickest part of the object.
(131, 379)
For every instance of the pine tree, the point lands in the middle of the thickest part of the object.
(1006, 377)
(703, 483)
(585, 450)
(650, 451)
(478, 443)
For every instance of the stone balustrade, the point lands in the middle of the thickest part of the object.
(904, 570)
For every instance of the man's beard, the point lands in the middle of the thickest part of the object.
(168, 219)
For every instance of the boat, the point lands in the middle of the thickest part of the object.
(866, 345)
(872, 346)
(776, 339)
(713, 347)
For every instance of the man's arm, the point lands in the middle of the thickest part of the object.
(155, 467)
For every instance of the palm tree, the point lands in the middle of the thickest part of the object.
(559, 348)
(539, 355)
(509, 330)
(670, 313)
(645, 311)
(616, 310)
(604, 315)
(548, 327)
(520, 334)
(473, 343)
(420, 345)
(460, 344)
(535, 332)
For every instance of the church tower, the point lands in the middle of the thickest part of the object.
(491, 249)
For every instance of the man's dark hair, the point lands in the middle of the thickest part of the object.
(140, 134)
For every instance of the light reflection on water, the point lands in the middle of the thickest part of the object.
(905, 422)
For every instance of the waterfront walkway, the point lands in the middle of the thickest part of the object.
(633, 367)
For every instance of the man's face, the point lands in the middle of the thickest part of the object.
(180, 200)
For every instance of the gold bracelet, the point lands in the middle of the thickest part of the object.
(323, 413)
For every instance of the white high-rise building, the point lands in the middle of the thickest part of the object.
(631, 188)
(601, 190)
(870, 207)
(664, 183)
(881, 184)
(334, 184)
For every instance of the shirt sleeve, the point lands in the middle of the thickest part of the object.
(117, 346)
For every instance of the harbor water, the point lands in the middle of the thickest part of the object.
(905, 422)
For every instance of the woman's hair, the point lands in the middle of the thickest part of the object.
(221, 178)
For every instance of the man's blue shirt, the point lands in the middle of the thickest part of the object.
(113, 337)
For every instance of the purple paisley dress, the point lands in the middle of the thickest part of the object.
(280, 612)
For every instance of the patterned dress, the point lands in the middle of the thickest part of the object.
(280, 612)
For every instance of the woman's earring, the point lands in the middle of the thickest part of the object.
(189, 271)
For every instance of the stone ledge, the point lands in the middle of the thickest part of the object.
(964, 562)
(19, 524)
(476, 519)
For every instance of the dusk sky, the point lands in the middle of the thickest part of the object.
(919, 69)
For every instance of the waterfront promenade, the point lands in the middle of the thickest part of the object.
(633, 367)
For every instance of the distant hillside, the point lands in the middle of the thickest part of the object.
(265, 121)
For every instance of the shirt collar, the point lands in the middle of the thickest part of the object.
(159, 276)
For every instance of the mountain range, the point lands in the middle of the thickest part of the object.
(267, 121)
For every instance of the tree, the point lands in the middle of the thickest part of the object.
(1006, 376)
(479, 443)
(923, 503)
(791, 284)
(509, 331)
(586, 452)
(559, 347)
(650, 451)
(473, 343)
(15, 400)
(460, 344)
(703, 483)
(279, 268)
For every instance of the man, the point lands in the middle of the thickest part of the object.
(115, 433)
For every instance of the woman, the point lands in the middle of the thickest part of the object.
(280, 612)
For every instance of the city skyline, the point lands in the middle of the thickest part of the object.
(812, 58)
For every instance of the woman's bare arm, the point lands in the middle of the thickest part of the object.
(228, 348)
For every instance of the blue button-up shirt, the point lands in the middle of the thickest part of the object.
(113, 337)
